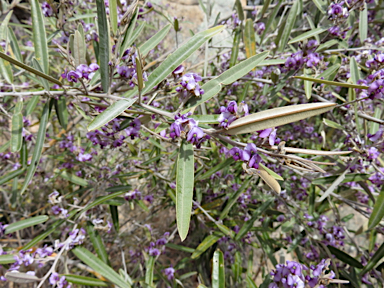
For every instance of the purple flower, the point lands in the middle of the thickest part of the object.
(72, 76)
(232, 107)
(178, 71)
(254, 161)
(153, 252)
(54, 278)
(47, 9)
(290, 63)
(124, 71)
(195, 134)
(226, 118)
(84, 157)
(237, 153)
(169, 272)
(93, 67)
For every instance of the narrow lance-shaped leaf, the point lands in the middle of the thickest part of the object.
(39, 36)
(17, 129)
(249, 39)
(61, 111)
(43, 81)
(22, 278)
(79, 49)
(103, 44)
(30, 69)
(291, 20)
(205, 244)
(218, 270)
(149, 265)
(74, 179)
(158, 75)
(212, 87)
(14, 44)
(110, 113)
(6, 70)
(127, 37)
(378, 211)
(154, 40)
(354, 70)
(379, 254)
(184, 188)
(99, 266)
(308, 34)
(113, 15)
(363, 24)
(271, 18)
(235, 47)
(11, 175)
(38, 147)
(22, 224)
(321, 81)
(97, 243)
(344, 257)
(277, 117)
(330, 73)
(83, 280)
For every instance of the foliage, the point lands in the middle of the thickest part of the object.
(124, 162)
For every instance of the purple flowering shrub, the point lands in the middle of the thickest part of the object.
(259, 164)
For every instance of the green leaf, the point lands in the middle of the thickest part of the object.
(11, 175)
(43, 81)
(374, 260)
(179, 247)
(4, 26)
(152, 42)
(61, 111)
(99, 266)
(249, 38)
(7, 259)
(22, 224)
(5, 146)
(277, 117)
(138, 31)
(205, 244)
(271, 18)
(115, 217)
(272, 173)
(354, 70)
(79, 49)
(330, 73)
(348, 178)
(184, 188)
(291, 20)
(348, 85)
(218, 270)
(74, 179)
(264, 9)
(212, 87)
(256, 214)
(332, 124)
(307, 86)
(326, 45)
(38, 146)
(32, 105)
(308, 34)
(363, 24)
(218, 167)
(113, 15)
(344, 257)
(150, 266)
(39, 36)
(110, 113)
(6, 70)
(97, 243)
(321, 5)
(374, 127)
(235, 47)
(83, 280)
(206, 119)
(378, 211)
(103, 44)
(103, 199)
(232, 200)
(128, 34)
(30, 69)
(17, 129)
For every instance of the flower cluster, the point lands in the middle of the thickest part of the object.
(54, 198)
(231, 113)
(333, 235)
(297, 60)
(127, 69)
(82, 71)
(156, 248)
(337, 12)
(248, 155)
(296, 275)
(187, 127)
(188, 83)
